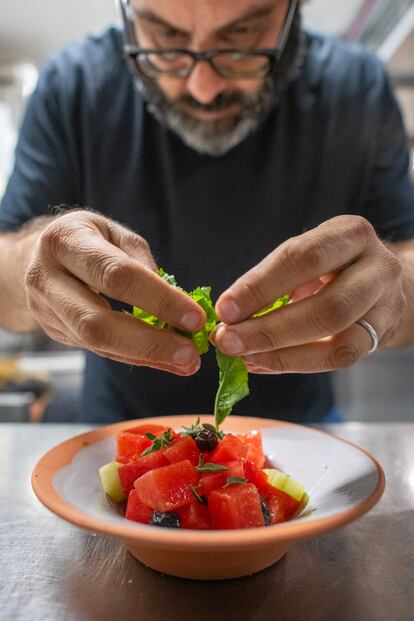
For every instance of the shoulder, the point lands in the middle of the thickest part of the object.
(86, 67)
(342, 70)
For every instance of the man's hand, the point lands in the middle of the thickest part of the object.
(336, 274)
(81, 255)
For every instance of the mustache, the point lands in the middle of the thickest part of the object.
(221, 102)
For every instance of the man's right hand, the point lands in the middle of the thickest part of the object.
(81, 255)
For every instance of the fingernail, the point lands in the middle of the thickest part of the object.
(230, 342)
(229, 311)
(184, 356)
(190, 321)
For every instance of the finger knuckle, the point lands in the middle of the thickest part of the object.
(165, 307)
(152, 351)
(334, 314)
(393, 265)
(35, 278)
(361, 229)
(278, 363)
(301, 255)
(253, 291)
(56, 239)
(267, 339)
(345, 356)
(115, 277)
(93, 331)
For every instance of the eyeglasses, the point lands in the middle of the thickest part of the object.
(231, 64)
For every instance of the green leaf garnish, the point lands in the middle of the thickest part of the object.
(158, 443)
(202, 295)
(276, 304)
(209, 467)
(233, 385)
(193, 430)
(235, 480)
(201, 499)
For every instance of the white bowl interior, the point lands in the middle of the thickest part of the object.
(336, 475)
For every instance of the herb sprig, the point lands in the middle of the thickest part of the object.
(209, 467)
(157, 443)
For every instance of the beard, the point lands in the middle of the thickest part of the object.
(217, 137)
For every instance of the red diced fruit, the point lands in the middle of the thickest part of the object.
(216, 480)
(136, 510)
(155, 430)
(256, 476)
(255, 456)
(167, 488)
(129, 473)
(129, 446)
(236, 506)
(229, 449)
(195, 515)
(282, 507)
(254, 439)
(185, 448)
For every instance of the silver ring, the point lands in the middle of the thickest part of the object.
(371, 332)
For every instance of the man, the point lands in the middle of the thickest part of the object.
(237, 152)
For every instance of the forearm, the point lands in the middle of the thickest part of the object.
(15, 252)
(404, 335)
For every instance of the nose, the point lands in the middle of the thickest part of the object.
(204, 84)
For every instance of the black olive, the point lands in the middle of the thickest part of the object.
(209, 426)
(206, 439)
(170, 519)
(266, 512)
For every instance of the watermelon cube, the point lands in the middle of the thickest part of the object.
(236, 506)
(167, 488)
(136, 510)
(129, 473)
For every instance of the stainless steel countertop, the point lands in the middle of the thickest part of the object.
(52, 571)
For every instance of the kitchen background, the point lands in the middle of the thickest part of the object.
(39, 379)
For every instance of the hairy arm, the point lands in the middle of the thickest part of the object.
(15, 252)
(404, 334)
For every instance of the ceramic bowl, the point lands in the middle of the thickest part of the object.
(342, 480)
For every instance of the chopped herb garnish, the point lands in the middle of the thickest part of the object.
(209, 467)
(158, 443)
(200, 499)
(235, 480)
(193, 430)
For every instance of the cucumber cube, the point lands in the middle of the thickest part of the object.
(111, 482)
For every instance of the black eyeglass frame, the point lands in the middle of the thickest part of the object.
(132, 50)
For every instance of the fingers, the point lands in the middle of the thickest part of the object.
(87, 321)
(334, 308)
(83, 251)
(295, 263)
(337, 352)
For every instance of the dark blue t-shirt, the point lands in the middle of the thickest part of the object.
(334, 145)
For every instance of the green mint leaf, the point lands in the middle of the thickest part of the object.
(235, 480)
(167, 277)
(276, 304)
(209, 467)
(152, 320)
(233, 385)
(202, 295)
(201, 499)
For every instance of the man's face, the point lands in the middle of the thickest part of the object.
(210, 113)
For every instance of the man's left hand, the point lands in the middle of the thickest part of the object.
(335, 274)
